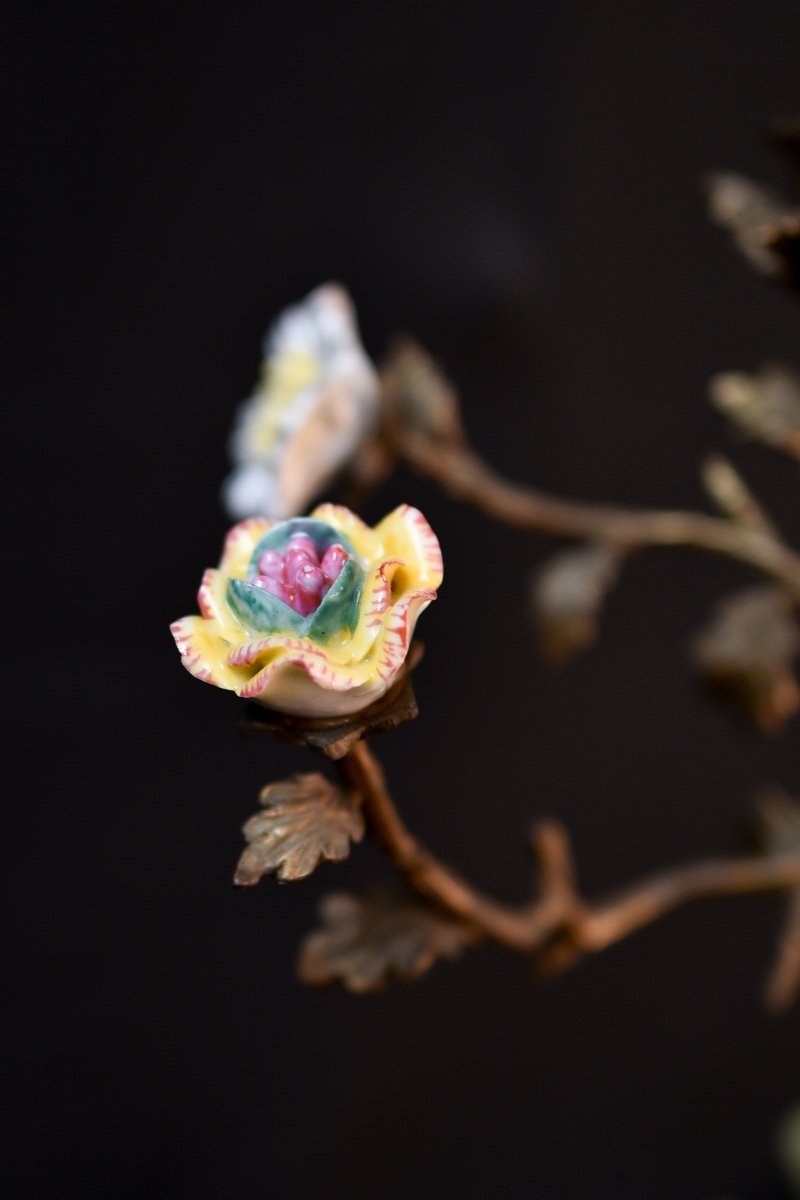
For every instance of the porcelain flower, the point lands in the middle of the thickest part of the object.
(314, 615)
(315, 404)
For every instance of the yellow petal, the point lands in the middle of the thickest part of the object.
(286, 375)
(204, 653)
(375, 605)
(272, 646)
(363, 539)
(320, 671)
(240, 544)
(395, 636)
(406, 535)
(213, 602)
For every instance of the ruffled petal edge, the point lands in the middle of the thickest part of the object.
(240, 544)
(406, 534)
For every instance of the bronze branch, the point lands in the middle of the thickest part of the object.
(752, 646)
(464, 475)
(560, 925)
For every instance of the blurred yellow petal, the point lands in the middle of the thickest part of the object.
(314, 407)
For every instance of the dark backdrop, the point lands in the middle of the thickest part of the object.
(517, 185)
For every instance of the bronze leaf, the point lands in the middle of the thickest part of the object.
(764, 228)
(777, 821)
(418, 395)
(366, 941)
(567, 595)
(747, 652)
(764, 405)
(306, 819)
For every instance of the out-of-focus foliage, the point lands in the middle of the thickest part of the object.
(788, 1142)
(567, 594)
(764, 405)
(418, 395)
(764, 228)
(733, 497)
(747, 652)
(778, 821)
(366, 941)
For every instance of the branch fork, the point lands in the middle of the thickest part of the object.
(749, 650)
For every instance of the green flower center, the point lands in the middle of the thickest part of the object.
(303, 579)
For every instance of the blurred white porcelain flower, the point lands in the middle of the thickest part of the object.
(315, 404)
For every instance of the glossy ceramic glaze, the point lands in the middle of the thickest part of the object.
(326, 654)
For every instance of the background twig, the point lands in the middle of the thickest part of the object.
(462, 473)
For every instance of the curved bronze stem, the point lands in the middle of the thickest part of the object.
(518, 929)
(560, 923)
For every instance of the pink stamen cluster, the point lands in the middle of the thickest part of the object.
(299, 578)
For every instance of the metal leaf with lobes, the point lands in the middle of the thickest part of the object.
(306, 819)
(366, 941)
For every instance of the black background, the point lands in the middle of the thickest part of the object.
(517, 184)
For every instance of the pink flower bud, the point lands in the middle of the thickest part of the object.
(310, 587)
(271, 563)
(301, 541)
(275, 587)
(295, 558)
(333, 560)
